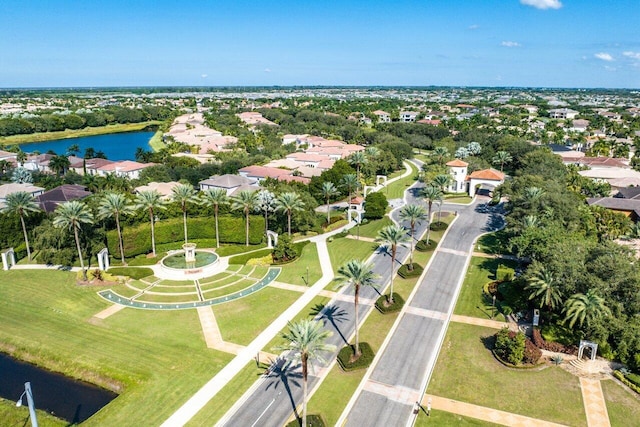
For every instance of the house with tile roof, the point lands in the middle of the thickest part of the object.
(487, 178)
(50, 200)
(165, 189)
(228, 182)
(458, 172)
(13, 187)
(383, 116)
(126, 168)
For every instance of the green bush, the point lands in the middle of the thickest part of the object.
(313, 420)
(438, 226)
(365, 359)
(405, 273)
(424, 246)
(142, 260)
(633, 379)
(64, 256)
(137, 239)
(381, 304)
(242, 259)
(133, 272)
(504, 273)
(375, 205)
(619, 375)
(284, 251)
(510, 346)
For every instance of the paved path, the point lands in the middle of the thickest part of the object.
(212, 335)
(594, 403)
(488, 323)
(109, 311)
(483, 413)
(362, 238)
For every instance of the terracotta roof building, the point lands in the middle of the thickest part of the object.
(49, 200)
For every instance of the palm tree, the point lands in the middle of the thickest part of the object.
(306, 340)
(414, 214)
(371, 151)
(114, 205)
(267, 204)
(72, 215)
(440, 154)
(544, 287)
(215, 197)
(358, 159)
(357, 274)
(288, 203)
(59, 165)
(21, 203)
(73, 150)
(442, 181)
(501, 157)
(329, 190)
(21, 175)
(587, 308)
(351, 183)
(21, 157)
(392, 236)
(431, 194)
(184, 194)
(246, 201)
(150, 201)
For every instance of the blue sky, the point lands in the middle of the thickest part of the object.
(541, 43)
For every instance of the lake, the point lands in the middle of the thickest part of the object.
(70, 400)
(116, 146)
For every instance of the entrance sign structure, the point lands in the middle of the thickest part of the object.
(103, 259)
(8, 259)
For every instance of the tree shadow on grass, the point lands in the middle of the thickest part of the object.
(285, 372)
(489, 342)
(332, 314)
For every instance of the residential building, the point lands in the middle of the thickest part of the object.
(13, 187)
(230, 183)
(383, 116)
(126, 168)
(50, 200)
(486, 178)
(165, 189)
(563, 113)
(458, 172)
(408, 116)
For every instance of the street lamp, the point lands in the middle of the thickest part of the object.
(493, 307)
(30, 402)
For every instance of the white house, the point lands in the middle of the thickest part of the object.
(458, 172)
(489, 177)
(408, 116)
(383, 116)
(126, 168)
(563, 113)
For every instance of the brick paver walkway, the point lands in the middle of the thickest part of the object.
(594, 403)
(482, 413)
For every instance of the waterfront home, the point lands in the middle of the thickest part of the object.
(49, 200)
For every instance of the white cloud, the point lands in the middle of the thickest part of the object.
(267, 70)
(543, 4)
(609, 68)
(474, 27)
(632, 55)
(204, 76)
(604, 56)
(510, 44)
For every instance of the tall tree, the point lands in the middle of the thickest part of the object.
(289, 202)
(267, 204)
(358, 159)
(430, 194)
(59, 165)
(184, 194)
(501, 157)
(350, 183)
(306, 340)
(246, 201)
(585, 308)
(21, 175)
(329, 190)
(151, 201)
(215, 197)
(391, 236)
(414, 214)
(21, 203)
(115, 205)
(72, 215)
(442, 181)
(440, 154)
(544, 288)
(357, 274)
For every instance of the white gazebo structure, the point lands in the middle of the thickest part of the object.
(8, 259)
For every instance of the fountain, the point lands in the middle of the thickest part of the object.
(189, 262)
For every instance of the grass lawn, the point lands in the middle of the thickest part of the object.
(13, 416)
(228, 250)
(447, 419)
(458, 199)
(296, 271)
(225, 399)
(64, 134)
(492, 243)
(371, 228)
(622, 405)
(472, 301)
(242, 320)
(468, 372)
(396, 189)
(156, 143)
(342, 250)
(47, 319)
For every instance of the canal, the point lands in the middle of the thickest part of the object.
(68, 399)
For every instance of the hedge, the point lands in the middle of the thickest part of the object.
(242, 259)
(405, 273)
(504, 273)
(619, 375)
(365, 359)
(398, 303)
(634, 379)
(438, 226)
(313, 420)
(133, 272)
(423, 246)
(137, 239)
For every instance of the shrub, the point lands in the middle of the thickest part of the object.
(284, 250)
(504, 273)
(365, 359)
(404, 271)
(375, 205)
(532, 354)
(384, 307)
(133, 272)
(510, 346)
(557, 359)
(264, 261)
(424, 246)
(555, 347)
(242, 259)
(64, 256)
(438, 226)
(619, 375)
(633, 379)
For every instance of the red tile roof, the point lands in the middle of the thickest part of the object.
(488, 174)
(457, 163)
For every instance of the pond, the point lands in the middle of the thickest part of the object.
(116, 146)
(68, 399)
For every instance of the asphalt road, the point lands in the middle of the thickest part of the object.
(403, 364)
